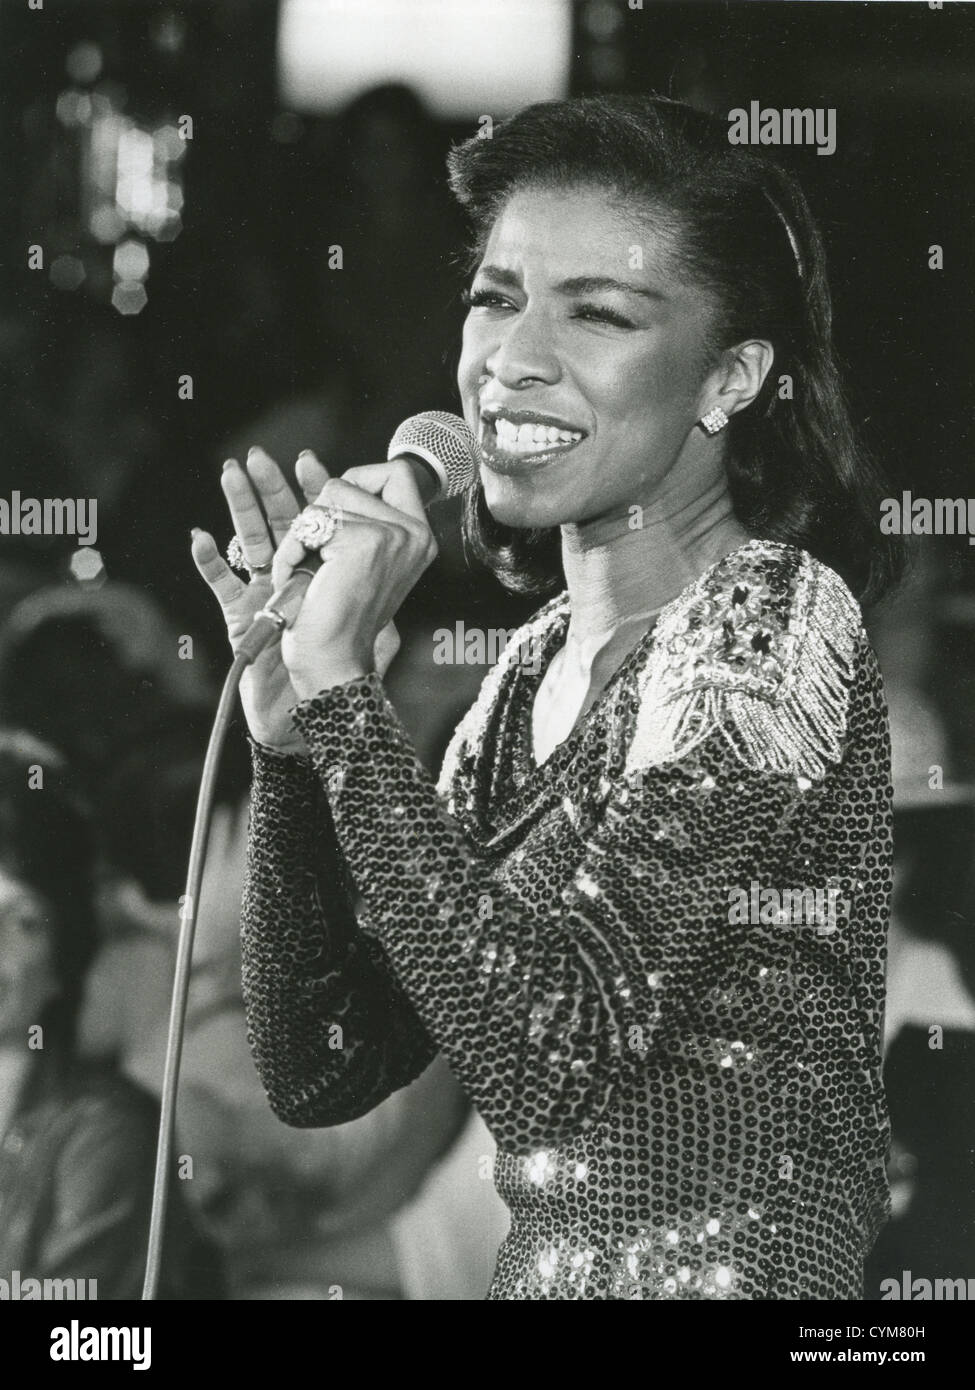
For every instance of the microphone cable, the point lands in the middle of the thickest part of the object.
(184, 959)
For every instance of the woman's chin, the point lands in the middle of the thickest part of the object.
(511, 503)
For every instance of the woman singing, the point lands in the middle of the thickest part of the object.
(643, 912)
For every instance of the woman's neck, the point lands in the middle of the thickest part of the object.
(618, 572)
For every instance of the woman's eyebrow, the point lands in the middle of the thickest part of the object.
(592, 284)
(578, 284)
(501, 276)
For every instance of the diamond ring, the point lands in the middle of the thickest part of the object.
(238, 560)
(315, 526)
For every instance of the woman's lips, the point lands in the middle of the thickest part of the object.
(519, 445)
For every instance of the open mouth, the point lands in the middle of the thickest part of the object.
(518, 436)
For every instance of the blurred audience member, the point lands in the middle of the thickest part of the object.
(146, 809)
(93, 671)
(447, 1239)
(78, 1143)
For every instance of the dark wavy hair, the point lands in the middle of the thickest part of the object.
(47, 842)
(743, 231)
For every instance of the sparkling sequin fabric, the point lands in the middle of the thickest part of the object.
(655, 962)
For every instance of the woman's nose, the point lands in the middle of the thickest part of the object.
(524, 352)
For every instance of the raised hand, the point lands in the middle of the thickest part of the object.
(262, 507)
(377, 552)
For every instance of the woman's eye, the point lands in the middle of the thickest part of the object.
(594, 313)
(599, 314)
(477, 299)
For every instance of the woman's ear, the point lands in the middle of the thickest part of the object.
(740, 376)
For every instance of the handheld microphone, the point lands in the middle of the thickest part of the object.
(442, 453)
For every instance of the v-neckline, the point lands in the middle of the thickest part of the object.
(523, 761)
(517, 781)
(554, 637)
(584, 713)
(647, 622)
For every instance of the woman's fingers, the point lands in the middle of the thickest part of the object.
(288, 556)
(215, 570)
(262, 504)
(311, 473)
(393, 482)
(356, 506)
(358, 493)
(312, 476)
(275, 495)
(378, 492)
(246, 515)
(291, 554)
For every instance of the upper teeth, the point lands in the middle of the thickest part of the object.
(528, 437)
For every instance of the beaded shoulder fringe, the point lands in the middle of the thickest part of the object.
(789, 716)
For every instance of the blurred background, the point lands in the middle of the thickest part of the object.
(245, 237)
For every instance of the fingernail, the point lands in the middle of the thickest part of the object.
(195, 531)
(307, 453)
(229, 463)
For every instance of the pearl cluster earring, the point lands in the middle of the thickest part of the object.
(715, 420)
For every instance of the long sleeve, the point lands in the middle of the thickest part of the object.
(331, 1030)
(547, 1003)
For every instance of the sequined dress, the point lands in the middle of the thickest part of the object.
(655, 962)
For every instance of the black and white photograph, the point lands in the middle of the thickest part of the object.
(487, 662)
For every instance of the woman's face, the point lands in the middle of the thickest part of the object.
(583, 360)
(27, 978)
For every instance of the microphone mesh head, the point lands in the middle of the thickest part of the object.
(444, 442)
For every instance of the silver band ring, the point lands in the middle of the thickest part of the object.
(315, 526)
(238, 560)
